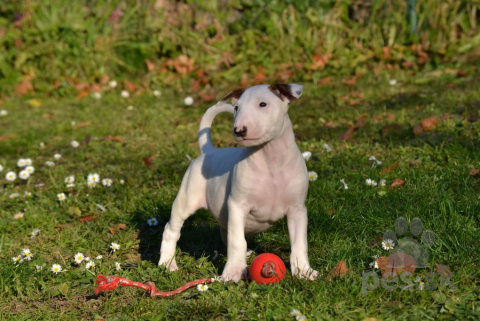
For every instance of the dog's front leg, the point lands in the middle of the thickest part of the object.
(297, 220)
(236, 267)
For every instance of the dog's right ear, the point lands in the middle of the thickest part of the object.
(233, 95)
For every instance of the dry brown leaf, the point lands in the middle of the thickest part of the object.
(397, 182)
(112, 229)
(121, 226)
(350, 81)
(113, 138)
(348, 135)
(259, 78)
(81, 125)
(83, 94)
(130, 86)
(375, 241)
(339, 271)
(104, 80)
(48, 116)
(149, 160)
(7, 136)
(86, 140)
(87, 218)
(429, 123)
(150, 65)
(386, 53)
(390, 168)
(25, 86)
(95, 88)
(324, 81)
(443, 270)
(82, 86)
(474, 172)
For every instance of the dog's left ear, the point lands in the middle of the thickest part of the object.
(291, 91)
(233, 96)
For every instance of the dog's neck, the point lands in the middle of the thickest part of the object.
(278, 152)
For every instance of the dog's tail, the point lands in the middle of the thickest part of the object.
(204, 135)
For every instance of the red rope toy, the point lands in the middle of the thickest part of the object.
(265, 269)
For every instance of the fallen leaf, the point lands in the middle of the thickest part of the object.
(34, 102)
(451, 85)
(350, 81)
(150, 65)
(330, 124)
(25, 86)
(95, 88)
(130, 86)
(182, 65)
(259, 78)
(390, 168)
(375, 241)
(113, 138)
(332, 211)
(86, 140)
(429, 123)
(87, 218)
(386, 53)
(207, 96)
(112, 229)
(474, 172)
(339, 271)
(82, 86)
(148, 160)
(121, 226)
(417, 129)
(324, 81)
(84, 124)
(443, 270)
(7, 136)
(83, 94)
(48, 116)
(397, 182)
(104, 80)
(371, 319)
(348, 135)
(461, 73)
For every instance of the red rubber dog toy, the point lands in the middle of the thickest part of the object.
(267, 268)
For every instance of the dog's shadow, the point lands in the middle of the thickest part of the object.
(199, 237)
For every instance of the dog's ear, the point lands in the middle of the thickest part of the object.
(233, 95)
(291, 91)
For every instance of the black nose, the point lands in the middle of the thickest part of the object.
(240, 133)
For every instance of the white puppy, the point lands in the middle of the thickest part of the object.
(247, 189)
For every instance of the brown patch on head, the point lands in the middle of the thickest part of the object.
(234, 95)
(282, 91)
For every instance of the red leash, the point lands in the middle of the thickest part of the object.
(112, 282)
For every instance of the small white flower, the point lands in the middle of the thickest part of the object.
(61, 197)
(107, 182)
(74, 144)
(38, 268)
(370, 182)
(79, 257)
(11, 176)
(130, 108)
(1, 168)
(21, 162)
(57, 156)
(97, 95)
(90, 265)
(27, 254)
(374, 265)
(101, 208)
(373, 158)
(306, 155)
(114, 246)
(42, 145)
(71, 185)
(295, 313)
(125, 94)
(157, 93)
(392, 82)
(345, 186)
(87, 259)
(28, 162)
(70, 179)
(383, 182)
(118, 267)
(27, 194)
(49, 163)
(421, 284)
(188, 101)
(113, 84)
(93, 178)
(56, 268)
(152, 221)
(14, 195)
(30, 169)
(18, 215)
(327, 148)
(35, 232)
(312, 176)
(388, 244)
(122, 182)
(202, 287)
(16, 259)
(91, 184)
(99, 257)
(24, 174)
(3, 112)
(301, 317)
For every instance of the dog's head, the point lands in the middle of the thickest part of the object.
(260, 111)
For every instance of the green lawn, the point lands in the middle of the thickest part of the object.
(161, 132)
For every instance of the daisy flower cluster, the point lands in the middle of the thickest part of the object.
(26, 169)
(312, 176)
(298, 315)
(25, 255)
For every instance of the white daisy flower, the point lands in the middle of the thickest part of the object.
(301, 317)
(78, 258)
(373, 158)
(24, 174)
(345, 186)
(101, 208)
(49, 163)
(28, 162)
(30, 169)
(122, 182)
(27, 254)
(11, 176)
(374, 265)
(74, 144)
(383, 182)
(370, 182)
(38, 268)
(125, 94)
(99, 257)
(107, 182)
(97, 95)
(57, 156)
(312, 176)
(114, 246)
(90, 265)
(118, 267)
(18, 215)
(70, 179)
(35, 232)
(202, 287)
(157, 93)
(188, 101)
(14, 195)
(152, 221)
(21, 162)
(70, 185)
(56, 268)
(392, 82)
(421, 284)
(327, 148)
(27, 194)
(61, 197)
(16, 259)
(42, 145)
(113, 84)
(91, 184)
(130, 107)
(388, 244)
(87, 259)
(295, 313)
(306, 155)
(93, 178)
(3, 112)
(1, 168)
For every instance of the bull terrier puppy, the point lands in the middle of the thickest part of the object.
(248, 188)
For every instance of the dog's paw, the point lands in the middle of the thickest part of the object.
(234, 273)
(170, 264)
(305, 273)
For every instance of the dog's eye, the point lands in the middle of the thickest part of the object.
(262, 104)
(236, 108)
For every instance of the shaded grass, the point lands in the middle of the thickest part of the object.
(435, 166)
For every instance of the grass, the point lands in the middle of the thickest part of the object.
(435, 166)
